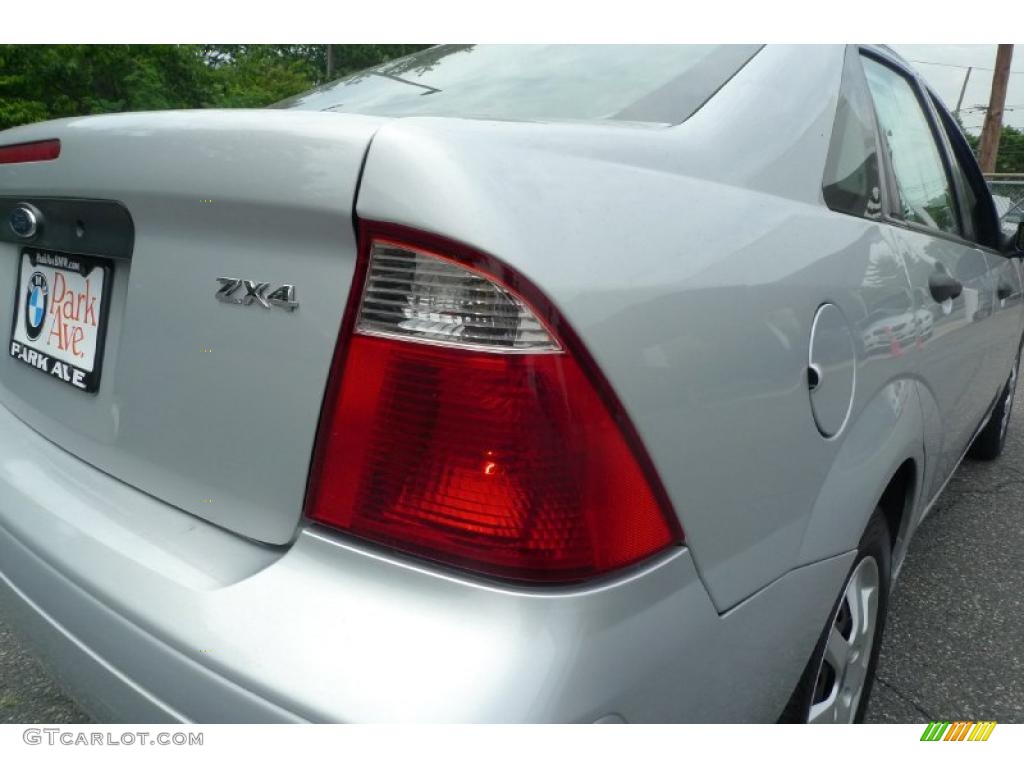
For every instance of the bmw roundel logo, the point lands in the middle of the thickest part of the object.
(37, 300)
(24, 221)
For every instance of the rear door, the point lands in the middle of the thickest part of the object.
(982, 227)
(953, 280)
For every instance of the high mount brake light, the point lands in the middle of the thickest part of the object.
(30, 152)
(466, 423)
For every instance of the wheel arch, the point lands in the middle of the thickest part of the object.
(898, 499)
(879, 464)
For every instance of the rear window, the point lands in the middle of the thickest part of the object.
(638, 83)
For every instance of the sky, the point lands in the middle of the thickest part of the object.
(946, 75)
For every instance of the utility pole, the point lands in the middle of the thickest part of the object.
(330, 62)
(963, 90)
(993, 127)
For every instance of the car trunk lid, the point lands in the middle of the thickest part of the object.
(209, 405)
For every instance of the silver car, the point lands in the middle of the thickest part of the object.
(494, 384)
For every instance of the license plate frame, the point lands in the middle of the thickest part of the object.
(70, 322)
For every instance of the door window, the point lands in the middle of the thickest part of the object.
(922, 184)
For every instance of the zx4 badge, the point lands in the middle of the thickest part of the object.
(256, 293)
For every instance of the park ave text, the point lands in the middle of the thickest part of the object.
(48, 364)
(70, 311)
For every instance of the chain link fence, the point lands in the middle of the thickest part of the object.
(1008, 192)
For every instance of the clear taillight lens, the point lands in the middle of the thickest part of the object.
(424, 297)
(461, 427)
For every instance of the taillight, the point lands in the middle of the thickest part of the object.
(30, 152)
(466, 423)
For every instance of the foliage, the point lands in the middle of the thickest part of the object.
(1011, 150)
(258, 75)
(40, 82)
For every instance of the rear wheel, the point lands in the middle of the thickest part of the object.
(988, 445)
(837, 681)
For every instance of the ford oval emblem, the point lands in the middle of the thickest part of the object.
(24, 221)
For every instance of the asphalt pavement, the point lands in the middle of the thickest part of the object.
(953, 648)
(954, 644)
(27, 693)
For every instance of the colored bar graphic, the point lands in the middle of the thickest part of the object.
(982, 730)
(959, 730)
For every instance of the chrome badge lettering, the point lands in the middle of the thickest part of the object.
(255, 293)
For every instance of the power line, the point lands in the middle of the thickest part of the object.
(979, 108)
(963, 66)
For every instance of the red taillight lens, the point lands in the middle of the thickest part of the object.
(461, 429)
(30, 152)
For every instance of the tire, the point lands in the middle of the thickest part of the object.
(830, 693)
(988, 445)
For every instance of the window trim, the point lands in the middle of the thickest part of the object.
(959, 193)
(965, 177)
(890, 190)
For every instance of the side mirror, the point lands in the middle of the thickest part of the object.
(1013, 242)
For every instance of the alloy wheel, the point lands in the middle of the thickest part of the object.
(844, 667)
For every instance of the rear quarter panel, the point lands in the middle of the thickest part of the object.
(691, 261)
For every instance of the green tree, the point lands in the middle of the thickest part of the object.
(257, 75)
(41, 82)
(1011, 149)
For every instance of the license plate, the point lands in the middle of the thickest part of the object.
(60, 315)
